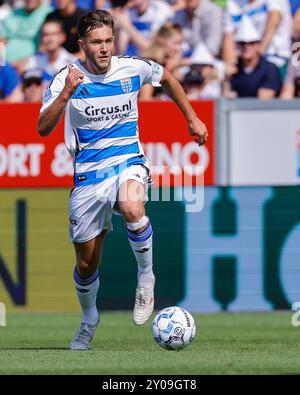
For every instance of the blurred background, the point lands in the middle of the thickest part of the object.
(238, 62)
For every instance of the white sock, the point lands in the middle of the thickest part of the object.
(141, 244)
(86, 289)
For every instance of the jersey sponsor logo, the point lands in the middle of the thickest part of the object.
(81, 178)
(108, 113)
(126, 85)
(91, 111)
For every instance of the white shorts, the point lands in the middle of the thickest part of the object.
(91, 207)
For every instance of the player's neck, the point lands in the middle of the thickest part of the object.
(93, 69)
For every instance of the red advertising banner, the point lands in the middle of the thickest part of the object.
(28, 160)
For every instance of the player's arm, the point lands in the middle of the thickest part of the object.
(173, 89)
(50, 117)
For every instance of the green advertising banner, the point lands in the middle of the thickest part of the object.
(239, 252)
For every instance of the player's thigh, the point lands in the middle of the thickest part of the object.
(90, 213)
(88, 253)
(130, 200)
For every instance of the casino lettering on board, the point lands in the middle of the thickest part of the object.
(174, 164)
(29, 160)
(179, 164)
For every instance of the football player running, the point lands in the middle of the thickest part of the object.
(111, 172)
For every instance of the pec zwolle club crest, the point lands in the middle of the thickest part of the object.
(126, 85)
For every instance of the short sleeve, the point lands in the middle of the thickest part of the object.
(31, 63)
(272, 78)
(54, 88)
(163, 14)
(227, 23)
(3, 26)
(150, 72)
(276, 5)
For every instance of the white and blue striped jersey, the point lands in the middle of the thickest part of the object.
(101, 117)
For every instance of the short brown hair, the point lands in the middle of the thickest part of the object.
(94, 19)
(168, 30)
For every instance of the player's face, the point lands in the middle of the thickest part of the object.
(98, 47)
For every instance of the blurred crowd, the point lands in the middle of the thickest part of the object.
(231, 48)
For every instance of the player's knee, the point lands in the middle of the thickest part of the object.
(86, 268)
(132, 213)
(138, 226)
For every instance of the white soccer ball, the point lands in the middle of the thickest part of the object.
(173, 328)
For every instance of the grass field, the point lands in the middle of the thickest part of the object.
(248, 343)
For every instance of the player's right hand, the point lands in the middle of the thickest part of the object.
(74, 79)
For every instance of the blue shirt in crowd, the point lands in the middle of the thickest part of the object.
(85, 4)
(264, 75)
(9, 80)
(295, 4)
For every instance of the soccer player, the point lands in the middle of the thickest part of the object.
(111, 172)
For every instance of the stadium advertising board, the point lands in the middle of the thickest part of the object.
(260, 142)
(239, 253)
(28, 160)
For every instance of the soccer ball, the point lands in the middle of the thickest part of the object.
(173, 328)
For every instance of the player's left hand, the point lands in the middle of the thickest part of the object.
(198, 128)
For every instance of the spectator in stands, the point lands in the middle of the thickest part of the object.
(204, 80)
(201, 21)
(256, 76)
(137, 22)
(295, 4)
(68, 12)
(273, 21)
(54, 57)
(166, 49)
(10, 87)
(296, 21)
(88, 4)
(21, 31)
(291, 85)
(33, 86)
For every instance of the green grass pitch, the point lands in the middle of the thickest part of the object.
(226, 343)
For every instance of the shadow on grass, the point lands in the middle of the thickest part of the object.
(60, 349)
(33, 348)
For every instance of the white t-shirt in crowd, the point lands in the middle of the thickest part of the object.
(41, 61)
(280, 47)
